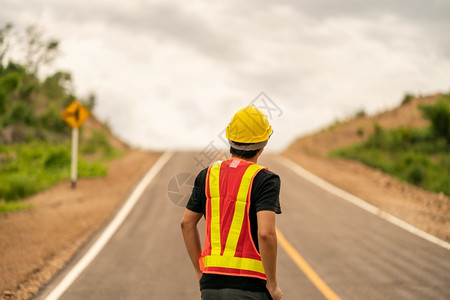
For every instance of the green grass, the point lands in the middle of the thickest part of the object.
(412, 155)
(28, 168)
(418, 156)
(7, 207)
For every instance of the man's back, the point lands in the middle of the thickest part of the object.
(239, 200)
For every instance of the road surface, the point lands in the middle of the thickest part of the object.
(352, 254)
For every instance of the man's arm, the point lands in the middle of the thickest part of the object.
(267, 238)
(192, 238)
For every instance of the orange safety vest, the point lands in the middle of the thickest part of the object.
(229, 246)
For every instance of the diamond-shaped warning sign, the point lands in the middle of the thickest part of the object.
(75, 114)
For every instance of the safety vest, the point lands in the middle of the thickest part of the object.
(229, 246)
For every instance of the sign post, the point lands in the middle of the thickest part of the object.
(74, 158)
(75, 114)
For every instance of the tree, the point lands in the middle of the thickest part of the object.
(439, 116)
(90, 101)
(39, 51)
(4, 42)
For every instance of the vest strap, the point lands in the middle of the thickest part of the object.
(239, 210)
(239, 263)
(215, 208)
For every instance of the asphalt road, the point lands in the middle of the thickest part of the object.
(356, 254)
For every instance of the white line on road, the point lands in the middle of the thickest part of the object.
(360, 203)
(110, 230)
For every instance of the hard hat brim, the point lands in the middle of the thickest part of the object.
(248, 147)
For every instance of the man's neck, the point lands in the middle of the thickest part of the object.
(253, 159)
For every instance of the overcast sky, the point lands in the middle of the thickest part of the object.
(170, 74)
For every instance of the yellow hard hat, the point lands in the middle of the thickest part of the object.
(249, 125)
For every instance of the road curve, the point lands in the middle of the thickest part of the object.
(356, 254)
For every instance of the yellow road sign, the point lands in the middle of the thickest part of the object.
(75, 114)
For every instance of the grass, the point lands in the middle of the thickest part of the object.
(415, 156)
(28, 168)
(418, 156)
(7, 207)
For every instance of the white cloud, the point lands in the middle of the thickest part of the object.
(170, 74)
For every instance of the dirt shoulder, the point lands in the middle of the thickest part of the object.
(37, 243)
(424, 210)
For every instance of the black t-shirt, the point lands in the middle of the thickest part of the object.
(264, 196)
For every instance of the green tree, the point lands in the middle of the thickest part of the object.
(57, 85)
(407, 98)
(4, 43)
(39, 51)
(90, 101)
(439, 116)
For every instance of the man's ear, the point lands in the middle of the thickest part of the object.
(259, 152)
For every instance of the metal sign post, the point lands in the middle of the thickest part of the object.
(75, 114)
(74, 160)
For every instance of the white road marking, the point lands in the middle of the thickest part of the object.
(110, 230)
(360, 203)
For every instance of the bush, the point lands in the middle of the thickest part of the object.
(9, 82)
(439, 116)
(28, 88)
(360, 113)
(412, 155)
(17, 186)
(59, 159)
(377, 138)
(98, 143)
(407, 98)
(56, 85)
(360, 131)
(51, 120)
(19, 114)
(3, 100)
(415, 174)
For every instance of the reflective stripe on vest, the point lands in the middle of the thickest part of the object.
(226, 261)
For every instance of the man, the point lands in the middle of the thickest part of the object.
(239, 200)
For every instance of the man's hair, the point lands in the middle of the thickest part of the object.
(243, 153)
